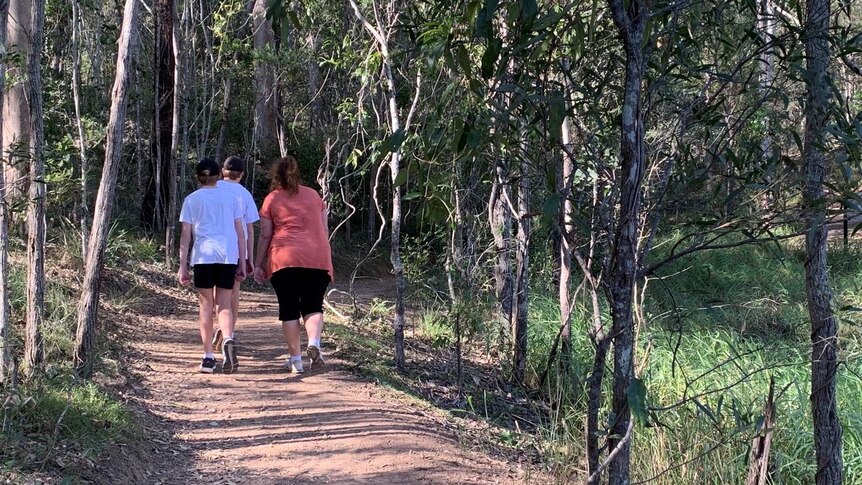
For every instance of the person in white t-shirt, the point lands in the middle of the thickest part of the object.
(215, 219)
(232, 170)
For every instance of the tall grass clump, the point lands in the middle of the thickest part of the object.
(717, 329)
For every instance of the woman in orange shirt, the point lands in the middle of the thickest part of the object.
(294, 238)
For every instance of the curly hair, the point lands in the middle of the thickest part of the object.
(284, 175)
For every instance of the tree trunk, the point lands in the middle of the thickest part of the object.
(5, 324)
(567, 228)
(16, 114)
(266, 133)
(171, 219)
(226, 106)
(824, 325)
(758, 456)
(82, 142)
(36, 207)
(89, 305)
(630, 21)
(379, 34)
(157, 198)
(522, 282)
(395, 235)
(501, 229)
(315, 119)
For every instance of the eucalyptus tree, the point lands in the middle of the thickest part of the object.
(824, 323)
(36, 223)
(5, 317)
(88, 306)
(16, 118)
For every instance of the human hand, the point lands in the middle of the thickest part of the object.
(259, 276)
(184, 276)
(240, 272)
(249, 267)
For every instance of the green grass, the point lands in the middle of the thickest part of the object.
(52, 412)
(54, 420)
(718, 328)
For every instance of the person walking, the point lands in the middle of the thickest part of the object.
(294, 243)
(233, 170)
(213, 218)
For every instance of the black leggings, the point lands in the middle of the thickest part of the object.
(300, 291)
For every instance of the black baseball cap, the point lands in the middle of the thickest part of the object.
(234, 164)
(207, 167)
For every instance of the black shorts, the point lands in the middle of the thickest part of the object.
(215, 275)
(300, 292)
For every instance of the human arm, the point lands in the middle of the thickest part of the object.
(240, 237)
(262, 248)
(324, 218)
(185, 239)
(250, 249)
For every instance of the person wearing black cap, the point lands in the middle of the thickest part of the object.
(215, 219)
(233, 169)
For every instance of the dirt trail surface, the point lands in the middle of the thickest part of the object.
(265, 426)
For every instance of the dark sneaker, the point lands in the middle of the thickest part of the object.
(231, 364)
(315, 357)
(208, 365)
(217, 340)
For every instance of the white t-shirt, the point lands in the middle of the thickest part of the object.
(246, 201)
(212, 212)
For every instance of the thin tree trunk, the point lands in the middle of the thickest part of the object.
(394, 119)
(567, 228)
(501, 229)
(758, 456)
(395, 249)
(824, 325)
(82, 142)
(33, 352)
(5, 324)
(226, 106)
(630, 21)
(171, 222)
(315, 119)
(519, 319)
(89, 304)
(16, 118)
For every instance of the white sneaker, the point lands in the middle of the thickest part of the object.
(294, 366)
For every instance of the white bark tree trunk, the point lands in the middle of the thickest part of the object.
(16, 110)
(5, 324)
(89, 305)
(395, 126)
(82, 142)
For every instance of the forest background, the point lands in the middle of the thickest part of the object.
(636, 216)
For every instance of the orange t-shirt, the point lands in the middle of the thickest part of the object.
(299, 238)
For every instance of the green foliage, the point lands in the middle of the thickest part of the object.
(710, 345)
(434, 326)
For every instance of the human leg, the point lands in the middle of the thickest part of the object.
(287, 293)
(314, 286)
(223, 296)
(205, 318)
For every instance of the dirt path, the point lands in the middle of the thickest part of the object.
(265, 426)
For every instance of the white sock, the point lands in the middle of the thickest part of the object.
(294, 358)
(209, 355)
(314, 341)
